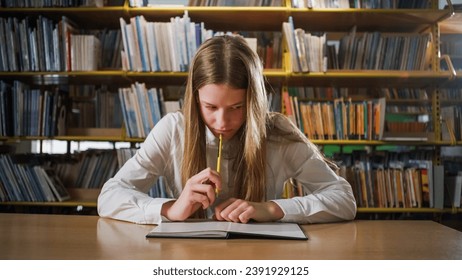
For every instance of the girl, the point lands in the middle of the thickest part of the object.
(225, 95)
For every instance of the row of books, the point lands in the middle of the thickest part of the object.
(308, 52)
(94, 106)
(241, 3)
(30, 112)
(451, 158)
(45, 178)
(364, 4)
(451, 46)
(92, 168)
(389, 51)
(269, 47)
(391, 94)
(370, 50)
(96, 167)
(28, 182)
(452, 123)
(160, 46)
(33, 112)
(318, 93)
(389, 4)
(393, 180)
(451, 94)
(405, 93)
(219, 3)
(88, 169)
(111, 47)
(380, 179)
(409, 109)
(85, 52)
(142, 108)
(361, 4)
(340, 120)
(390, 180)
(43, 45)
(52, 3)
(453, 185)
(316, 4)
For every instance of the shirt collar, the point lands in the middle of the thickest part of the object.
(227, 152)
(210, 138)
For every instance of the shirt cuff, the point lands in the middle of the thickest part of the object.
(152, 211)
(290, 208)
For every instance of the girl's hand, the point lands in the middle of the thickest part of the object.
(199, 192)
(241, 211)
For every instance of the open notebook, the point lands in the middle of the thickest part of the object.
(216, 229)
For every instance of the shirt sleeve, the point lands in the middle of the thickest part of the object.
(328, 198)
(125, 196)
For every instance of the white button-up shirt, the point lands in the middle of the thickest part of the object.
(328, 197)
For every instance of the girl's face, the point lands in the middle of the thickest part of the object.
(223, 109)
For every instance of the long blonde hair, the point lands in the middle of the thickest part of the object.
(229, 60)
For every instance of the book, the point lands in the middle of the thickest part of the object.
(224, 230)
(453, 185)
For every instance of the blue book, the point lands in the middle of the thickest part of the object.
(153, 51)
(12, 178)
(5, 181)
(141, 42)
(125, 112)
(297, 51)
(140, 93)
(154, 104)
(123, 28)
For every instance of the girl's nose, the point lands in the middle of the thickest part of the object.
(222, 119)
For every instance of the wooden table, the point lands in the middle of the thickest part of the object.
(49, 237)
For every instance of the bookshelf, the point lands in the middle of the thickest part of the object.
(336, 22)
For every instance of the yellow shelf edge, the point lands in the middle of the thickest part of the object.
(53, 204)
(403, 210)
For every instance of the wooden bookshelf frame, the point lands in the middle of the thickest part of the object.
(338, 78)
(79, 197)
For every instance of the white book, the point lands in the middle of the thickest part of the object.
(152, 46)
(139, 120)
(163, 55)
(458, 190)
(217, 229)
(288, 31)
(142, 43)
(47, 190)
(125, 54)
(191, 38)
(171, 47)
(179, 41)
(154, 105)
(133, 42)
(3, 47)
(301, 47)
(56, 185)
(438, 186)
(143, 103)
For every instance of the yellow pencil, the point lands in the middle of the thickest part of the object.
(220, 146)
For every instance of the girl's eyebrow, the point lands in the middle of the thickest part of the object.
(232, 105)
